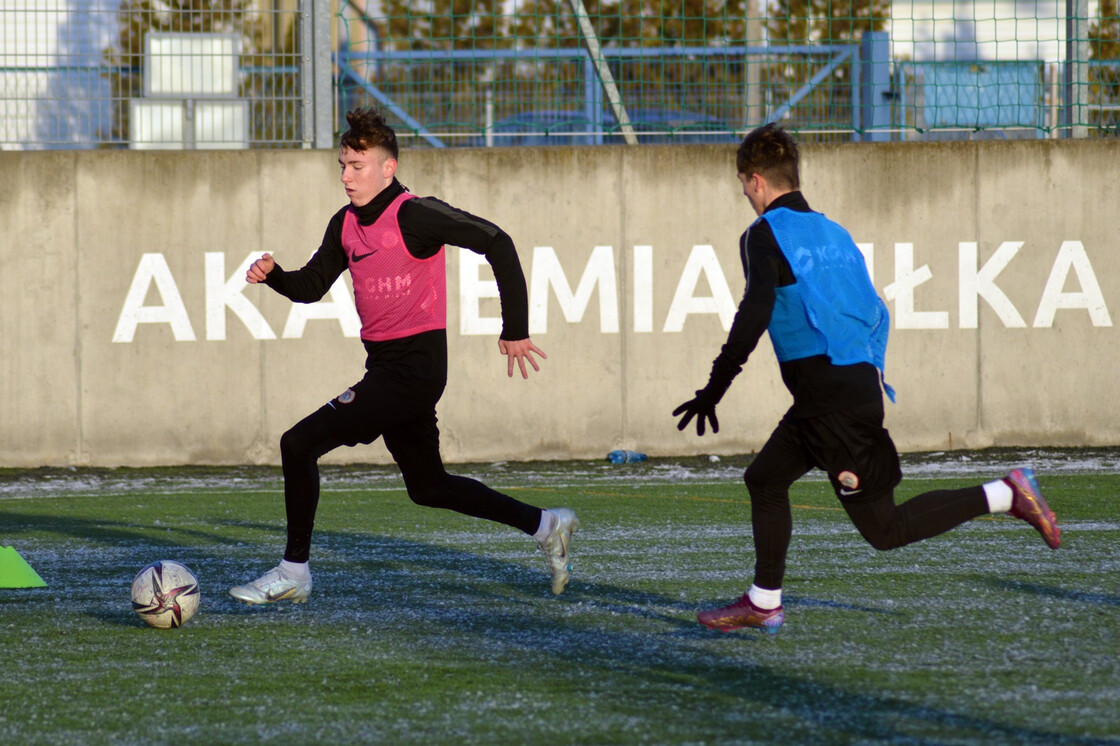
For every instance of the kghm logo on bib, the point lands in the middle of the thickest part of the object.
(396, 286)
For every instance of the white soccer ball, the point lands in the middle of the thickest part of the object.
(165, 594)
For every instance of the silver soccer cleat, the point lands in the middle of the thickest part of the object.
(275, 585)
(555, 547)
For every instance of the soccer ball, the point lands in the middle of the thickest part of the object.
(165, 594)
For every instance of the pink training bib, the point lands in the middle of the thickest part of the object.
(397, 295)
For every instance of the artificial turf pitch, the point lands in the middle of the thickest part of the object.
(428, 627)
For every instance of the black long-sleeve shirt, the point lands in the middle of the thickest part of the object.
(426, 224)
(816, 384)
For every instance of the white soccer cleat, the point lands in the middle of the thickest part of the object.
(555, 547)
(275, 585)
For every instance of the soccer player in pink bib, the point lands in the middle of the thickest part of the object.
(392, 242)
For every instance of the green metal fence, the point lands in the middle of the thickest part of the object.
(533, 73)
(524, 72)
(453, 73)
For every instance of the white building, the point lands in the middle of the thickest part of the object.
(928, 30)
(52, 91)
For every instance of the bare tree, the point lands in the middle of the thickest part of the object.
(1104, 80)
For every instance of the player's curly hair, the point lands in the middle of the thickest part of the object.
(772, 153)
(368, 129)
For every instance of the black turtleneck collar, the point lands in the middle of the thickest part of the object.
(371, 211)
(793, 200)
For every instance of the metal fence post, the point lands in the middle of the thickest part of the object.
(315, 67)
(753, 110)
(592, 102)
(875, 86)
(324, 68)
(1074, 77)
(603, 70)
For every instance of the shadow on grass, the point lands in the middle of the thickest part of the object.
(493, 605)
(101, 531)
(1062, 594)
(402, 575)
(604, 634)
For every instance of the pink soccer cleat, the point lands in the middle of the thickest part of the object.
(1028, 504)
(740, 614)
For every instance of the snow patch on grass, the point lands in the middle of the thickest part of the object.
(986, 464)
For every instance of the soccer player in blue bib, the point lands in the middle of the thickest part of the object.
(808, 286)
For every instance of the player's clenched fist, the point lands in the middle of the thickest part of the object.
(259, 269)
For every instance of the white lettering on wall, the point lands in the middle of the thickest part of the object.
(153, 269)
(340, 307)
(981, 283)
(222, 294)
(868, 251)
(701, 260)
(643, 289)
(472, 290)
(901, 291)
(598, 278)
(1072, 256)
(547, 272)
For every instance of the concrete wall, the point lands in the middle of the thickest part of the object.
(1000, 263)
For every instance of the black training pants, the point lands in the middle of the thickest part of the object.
(404, 414)
(851, 440)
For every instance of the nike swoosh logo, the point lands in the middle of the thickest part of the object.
(849, 493)
(271, 596)
(357, 258)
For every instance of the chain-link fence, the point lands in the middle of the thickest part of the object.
(279, 73)
(148, 74)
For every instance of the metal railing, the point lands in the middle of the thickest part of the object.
(72, 72)
(560, 99)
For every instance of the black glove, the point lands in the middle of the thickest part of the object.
(702, 407)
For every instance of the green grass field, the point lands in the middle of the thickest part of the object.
(428, 627)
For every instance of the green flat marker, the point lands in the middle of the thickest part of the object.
(15, 572)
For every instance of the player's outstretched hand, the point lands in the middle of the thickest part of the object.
(702, 407)
(259, 269)
(520, 350)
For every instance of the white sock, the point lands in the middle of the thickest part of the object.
(764, 598)
(548, 525)
(296, 570)
(999, 496)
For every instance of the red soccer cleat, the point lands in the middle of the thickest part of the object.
(740, 614)
(1027, 504)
